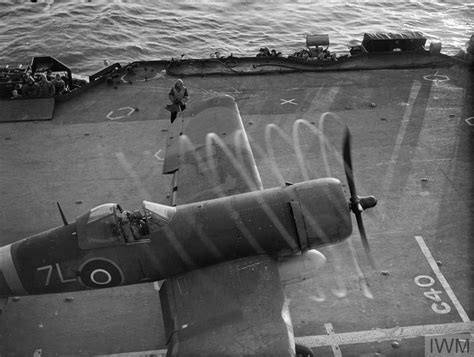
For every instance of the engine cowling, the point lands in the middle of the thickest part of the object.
(321, 214)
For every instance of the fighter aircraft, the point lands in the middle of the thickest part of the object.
(224, 246)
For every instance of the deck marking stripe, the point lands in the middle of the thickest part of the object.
(335, 347)
(349, 338)
(157, 155)
(441, 278)
(390, 171)
(290, 101)
(7, 267)
(379, 335)
(415, 89)
(158, 75)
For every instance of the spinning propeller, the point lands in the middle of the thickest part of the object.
(357, 204)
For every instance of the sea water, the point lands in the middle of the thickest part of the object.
(86, 34)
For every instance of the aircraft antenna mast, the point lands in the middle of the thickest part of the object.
(62, 214)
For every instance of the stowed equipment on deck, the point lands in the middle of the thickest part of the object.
(37, 106)
(19, 108)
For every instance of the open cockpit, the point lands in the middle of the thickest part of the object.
(109, 224)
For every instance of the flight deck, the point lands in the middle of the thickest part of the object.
(412, 149)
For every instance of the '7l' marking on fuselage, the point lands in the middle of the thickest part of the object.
(49, 269)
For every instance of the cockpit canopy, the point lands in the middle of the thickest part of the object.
(109, 225)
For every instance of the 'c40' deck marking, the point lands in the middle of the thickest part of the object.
(441, 278)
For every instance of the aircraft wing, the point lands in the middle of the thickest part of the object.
(209, 154)
(236, 308)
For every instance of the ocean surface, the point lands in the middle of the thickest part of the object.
(83, 34)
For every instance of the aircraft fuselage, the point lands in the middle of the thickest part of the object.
(277, 222)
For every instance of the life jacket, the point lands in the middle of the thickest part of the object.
(179, 94)
(46, 89)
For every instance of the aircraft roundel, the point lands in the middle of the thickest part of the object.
(100, 273)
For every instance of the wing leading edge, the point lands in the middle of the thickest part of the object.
(236, 308)
(209, 154)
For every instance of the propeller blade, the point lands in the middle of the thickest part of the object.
(363, 237)
(346, 152)
(357, 204)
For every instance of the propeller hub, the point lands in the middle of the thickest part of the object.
(367, 202)
(361, 203)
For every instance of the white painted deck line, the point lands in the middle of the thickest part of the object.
(379, 335)
(415, 89)
(441, 278)
(349, 338)
(335, 348)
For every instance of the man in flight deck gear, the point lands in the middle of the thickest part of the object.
(178, 96)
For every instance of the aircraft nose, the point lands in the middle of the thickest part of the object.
(10, 283)
(326, 217)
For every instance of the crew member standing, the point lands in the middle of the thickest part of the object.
(178, 96)
(30, 89)
(46, 88)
